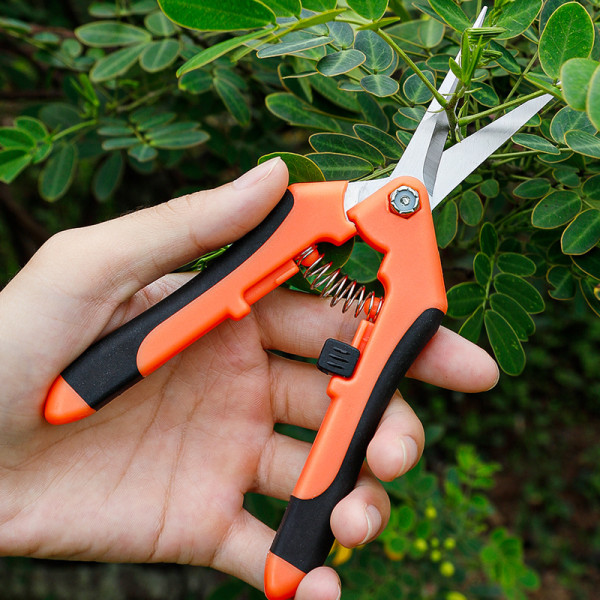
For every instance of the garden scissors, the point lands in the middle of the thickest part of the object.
(394, 216)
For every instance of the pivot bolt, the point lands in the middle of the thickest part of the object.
(404, 201)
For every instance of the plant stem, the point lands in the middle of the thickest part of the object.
(495, 109)
(73, 129)
(443, 102)
(521, 76)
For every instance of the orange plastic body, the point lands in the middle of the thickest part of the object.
(317, 215)
(281, 578)
(67, 405)
(411, 275)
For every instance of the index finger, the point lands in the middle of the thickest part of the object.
(299, 324)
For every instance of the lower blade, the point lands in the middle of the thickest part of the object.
(459, 161)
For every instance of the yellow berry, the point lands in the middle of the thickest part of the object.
(435, 543)
(455, 596)
(449, 543)
(435, 556)
(394, 555)
(447, 569)
(341, 554)
(420, 545)
(431, 512)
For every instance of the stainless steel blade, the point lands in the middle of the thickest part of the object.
(459, 161)
(422, 155)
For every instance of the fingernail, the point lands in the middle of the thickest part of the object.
(339, 591)
(373, 522)
(411, 454)
(496, 381)
(257, 174)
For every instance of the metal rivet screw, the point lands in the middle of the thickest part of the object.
(404, 200)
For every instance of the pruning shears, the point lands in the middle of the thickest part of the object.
(394, 216)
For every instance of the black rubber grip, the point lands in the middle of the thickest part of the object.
(108, 368)
(304, 537)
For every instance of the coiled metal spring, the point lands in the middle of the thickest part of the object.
(334, 284)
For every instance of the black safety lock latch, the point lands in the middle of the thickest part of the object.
(338, 358)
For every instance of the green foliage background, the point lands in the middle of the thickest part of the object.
(110, 106)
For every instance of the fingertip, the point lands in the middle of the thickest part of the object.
(322, 583)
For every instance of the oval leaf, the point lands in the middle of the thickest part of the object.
(386, 144)
(563, 282)
(234, 100)
(369, 9)
(378, 54)
(159, 25)
(116, 64)
(593, 99)
(488, 239)
(340, 62)
(517, 16)
(471, 328)
(58, 173)
(300, 167)
(216, 15)
(583, 233)
(158, 55)
(292, 109)
(567, 119)
(107, 34)
(569, 33)
(108, 176)
(575, 77)
(415, 90)
(514, 313)
(471, 208)
(584, 143)
(535, 142)
(12, 162)
(465, 298)
(379, 85)
(363, 263)
(339, 167)
(512, 262)
(345, 144)
(446, 223)
(520, 290)
(451, 13)
(505, 343)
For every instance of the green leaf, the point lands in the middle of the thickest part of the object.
(556, 209)
(471, 328)
(177, 135)
(589, 263)
(589, 291)
(12, 162)
(464, 299)
(409, 117)
(379, 55)
(41, 152)
(517, 16)
(363, 263)
(384, 142)
(293, 43)
(369, 9)
(340, 62)
(430, 32)
(116, 64)
(10, 137)
(342, 34)
(108, 176)
(451, 14)
(567, 175)
(471, 208)
(563, 282)
(583, 233)
(58, 173)
(107, 34)
(593, 99)
(488, 239)
(505, 343)
(159, 55)
(33, 127)
(517, 264)
(296, 112)
(234, 100)
(482, 268)
(533, 188)
(142, 152)
(405, 518)
(490, 188)
(567, 119)
(284, 8)
(345, 144)
(338, 167)
(515, 314)
(485, 94)
(506, 60)
(300, 168)
(216, 15)
(535, 142)
(196, 82)
(379, 85)
(446, 223)
(575, 76)
(520, 290)
(159, 25)
(583, 143)
(210, 54)
(569, 33)
(373, 111)
(415, 90)
(118, 143)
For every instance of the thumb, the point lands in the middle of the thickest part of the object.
(128, 253)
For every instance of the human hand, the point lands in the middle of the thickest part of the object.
(160, 474)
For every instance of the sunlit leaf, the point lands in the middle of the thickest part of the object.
(379, 85)
(567, 119)
(535, 142)
(583, 233)
(12, 162)
(300, 167)
(517, 16)
(451, 13)
(377, 51)
(340, 62)
(369, 9)
(584, 143)
(575, 76)
(569, 33)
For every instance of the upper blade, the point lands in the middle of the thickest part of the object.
(422, 155)
(460, 160)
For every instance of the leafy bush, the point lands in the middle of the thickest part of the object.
(127, 96)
